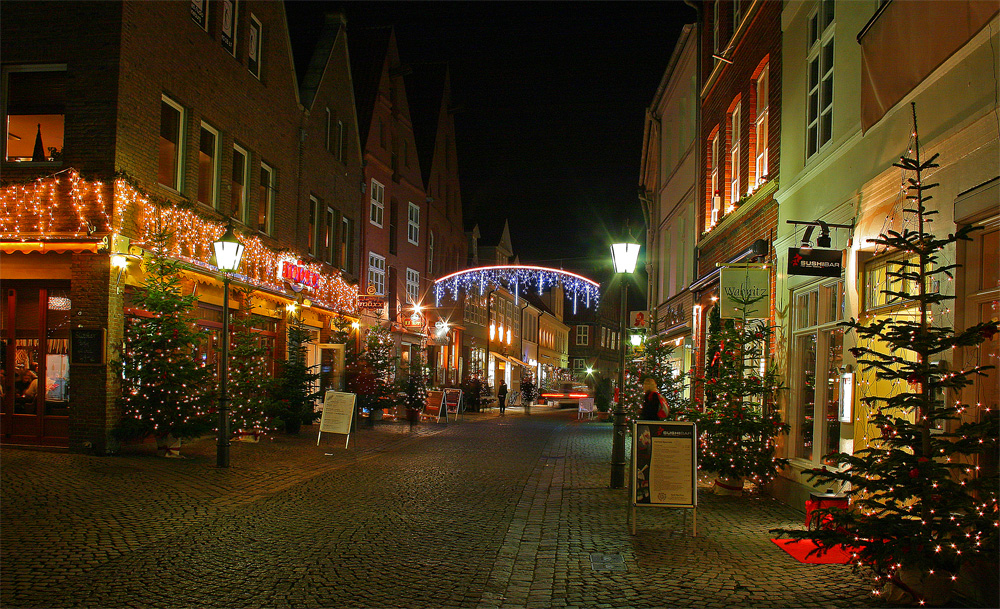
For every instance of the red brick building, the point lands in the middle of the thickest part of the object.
(395, 216)
(740, 83)
(177, 115)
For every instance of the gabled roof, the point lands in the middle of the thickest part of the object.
(312, 76)
(425, 88)
(368, 47)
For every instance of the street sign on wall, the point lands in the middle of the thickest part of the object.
(815, 263)
(745, 288)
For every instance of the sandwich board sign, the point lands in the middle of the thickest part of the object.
(453, 398)
(338, 414)
(664, 471)
(435, 407)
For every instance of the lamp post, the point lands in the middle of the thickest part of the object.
(624, 255)
(228, 252)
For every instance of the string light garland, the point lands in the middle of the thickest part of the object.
(64, 205)
(514, 278)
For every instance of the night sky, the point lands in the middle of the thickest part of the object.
(552, 97)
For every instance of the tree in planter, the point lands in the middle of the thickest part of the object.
(166, 390)
(740, 423)
(920, 507)
(653, 361)
(251, 383)
(378, 366)
(297, 386)
(414, 394)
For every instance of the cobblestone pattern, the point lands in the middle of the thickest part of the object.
(491, 512)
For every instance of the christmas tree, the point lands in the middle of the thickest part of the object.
(373, 374)
(297, 386)
(166, 389)
(740, 423)
(920, 504)
(251, 382)
(651, 359)
(415, 389)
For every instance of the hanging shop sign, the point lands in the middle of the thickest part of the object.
(413, 321)
(297, 275)
(815, 263)
(638, 319)
(745, 292)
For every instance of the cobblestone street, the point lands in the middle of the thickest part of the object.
(486, 512)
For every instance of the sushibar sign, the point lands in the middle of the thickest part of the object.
(745, 288)
(817, 263)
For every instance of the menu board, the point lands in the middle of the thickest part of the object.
(87, 346)
(453, 397)
(434, 407)
(338, 412)
(664, 467)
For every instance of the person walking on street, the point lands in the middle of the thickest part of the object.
(502, 396)
(654, 407)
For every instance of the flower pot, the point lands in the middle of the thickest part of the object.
(728, 485)
(911, 587)
(168, 446)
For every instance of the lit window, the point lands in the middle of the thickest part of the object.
(376, 273)
(238, 189)
(714, 172)
(265, 202)
(412, 286)
(377, 207)
(208, 166)
(734, 160)
(255, 41)
(760, 167)
(413, 225)
(35, 112)
(819, 116)
(171, 143)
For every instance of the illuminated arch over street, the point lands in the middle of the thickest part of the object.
(518, 279)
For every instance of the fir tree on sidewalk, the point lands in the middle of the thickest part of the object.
(652, 360)
(166, 389)
(920, 505)
(740, 423)
(297, 387)
(251, 382)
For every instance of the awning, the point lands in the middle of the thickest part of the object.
(498, 356)
(514, 360)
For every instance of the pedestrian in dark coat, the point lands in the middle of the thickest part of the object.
(502, 396)
(654, 407)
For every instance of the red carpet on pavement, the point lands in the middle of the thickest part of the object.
(800, 548)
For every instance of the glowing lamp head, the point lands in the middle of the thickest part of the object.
(590, 370)
(636, 339)
(625, 255)
(228, 251)
(119, 261)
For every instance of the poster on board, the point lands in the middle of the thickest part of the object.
(453, 398)
(434, 407)
(338, 414)
(664, 464)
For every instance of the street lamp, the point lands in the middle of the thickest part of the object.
(624, 255)
(228, 252)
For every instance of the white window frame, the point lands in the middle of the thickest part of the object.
(330, 227)
(579, 363)
(268, 228)
(820, 38)
(413, 224)
(583, 335)
(214, 196)
(182, 137)
(735, 124)
(412, 286)
(376, 273)
(313, 238)
(376, 213)
(243, 212)
(430, 253)
(716, 194)
(254, 45)
(346, 237)
(761, 126)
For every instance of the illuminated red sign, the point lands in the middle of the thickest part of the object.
(297, 274)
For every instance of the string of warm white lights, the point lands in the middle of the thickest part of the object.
(65, 205)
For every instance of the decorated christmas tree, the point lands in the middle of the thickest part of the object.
(166, 389)
(251, 383)
(652, 360)
(415, 389)
(297, 386)
(921, 505)
(374, 373)
(740, 423)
